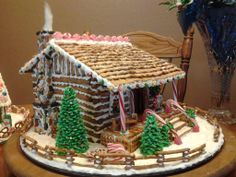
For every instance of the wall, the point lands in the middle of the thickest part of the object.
(20, 19)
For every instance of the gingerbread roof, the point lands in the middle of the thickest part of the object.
(4, 96)
(113, 61)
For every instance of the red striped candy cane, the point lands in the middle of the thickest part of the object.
(116, 148)
(175, 92)
(171, 103)
(131, 98)
(122, 109)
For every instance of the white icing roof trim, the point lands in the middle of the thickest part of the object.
(30, 64)
(4, 95)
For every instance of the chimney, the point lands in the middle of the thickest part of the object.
(42, 39)
(45, 35)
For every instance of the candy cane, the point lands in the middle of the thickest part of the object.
(131, 98)
(122, 109)
(170, 103)
(116, 148)
(177, 139)
(174, 89)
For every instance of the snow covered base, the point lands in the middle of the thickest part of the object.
(191, 140)
(15, 119)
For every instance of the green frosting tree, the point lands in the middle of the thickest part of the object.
(165, 129)
(191, 113)
(154, 138)
(71, 133)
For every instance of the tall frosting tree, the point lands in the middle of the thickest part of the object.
(71, 133)
(154, 138)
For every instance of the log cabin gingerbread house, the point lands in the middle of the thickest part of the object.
(96, 67)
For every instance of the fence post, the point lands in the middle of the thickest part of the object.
(129, 162)
(69, 158)
(216, 133)
(24, 142)
(160, 160)
(48, 154)
(34, 147)
(186, 155)
(203, 151)
(98, 162)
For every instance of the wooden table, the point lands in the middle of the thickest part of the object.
(222, 165)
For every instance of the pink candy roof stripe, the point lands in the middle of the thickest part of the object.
(4, 96)
(92, 37)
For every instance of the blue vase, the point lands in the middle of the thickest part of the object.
(216, 21)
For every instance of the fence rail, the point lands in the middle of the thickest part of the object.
(6, 132)
(101, 159)
(211, 120)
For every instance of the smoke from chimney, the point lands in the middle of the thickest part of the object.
(48, 18)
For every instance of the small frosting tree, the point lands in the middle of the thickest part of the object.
(165, 129)
(71, 133)
(154, 138)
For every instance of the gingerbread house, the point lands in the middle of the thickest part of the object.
(5, 100)
(97, 67)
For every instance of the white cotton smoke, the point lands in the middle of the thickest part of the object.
(48, 18)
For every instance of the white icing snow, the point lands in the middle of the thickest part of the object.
(15, 119)
(191, 140)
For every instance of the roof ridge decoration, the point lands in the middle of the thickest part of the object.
(91, 38)
(4, 96)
